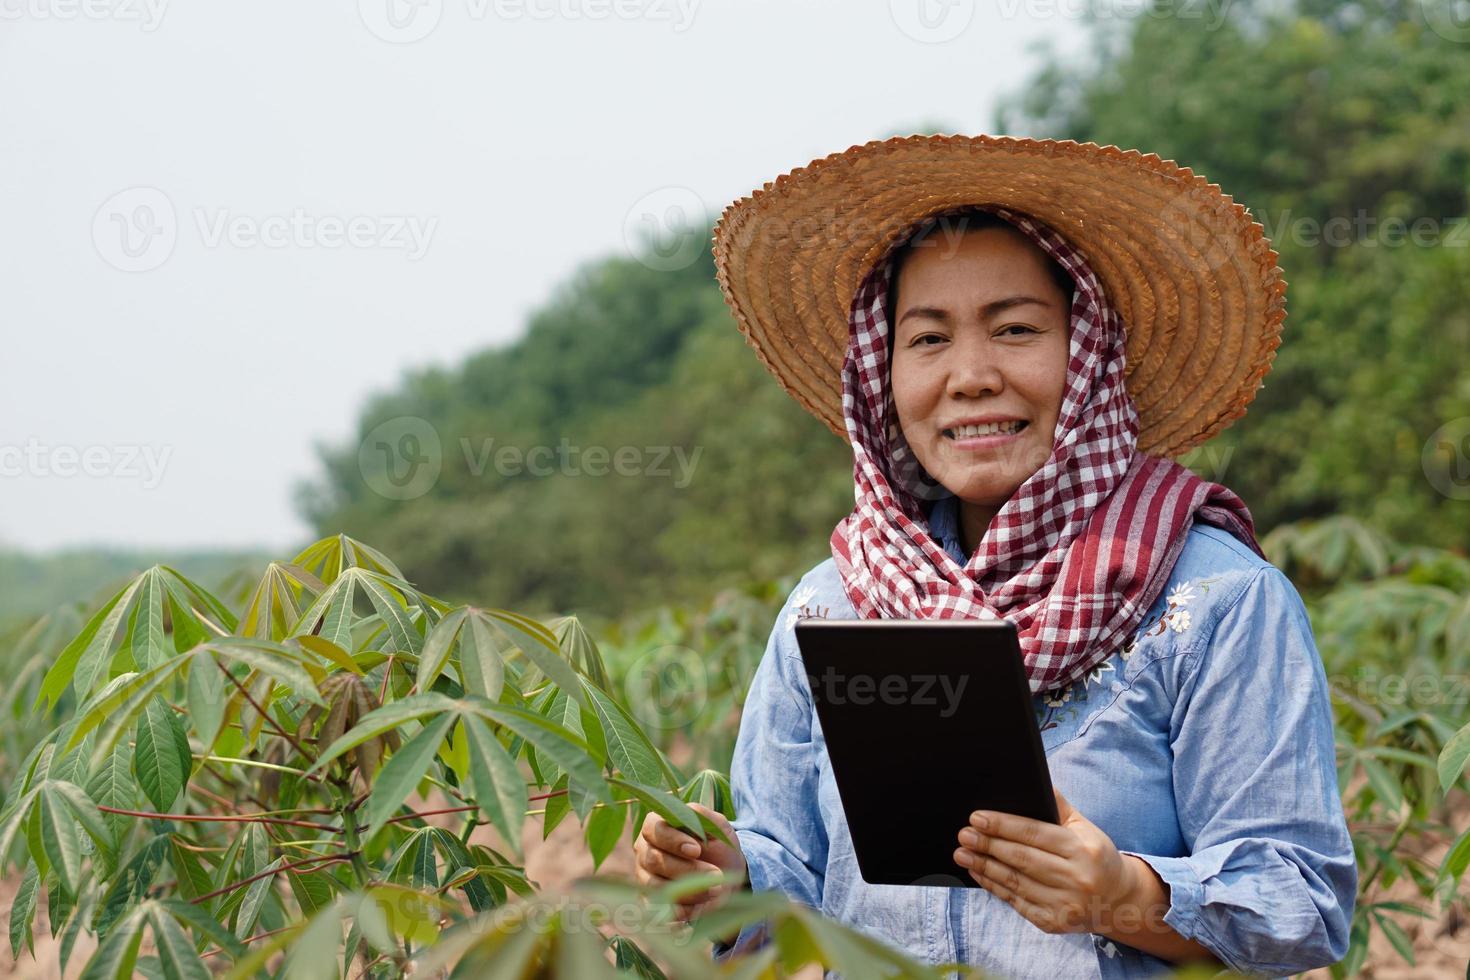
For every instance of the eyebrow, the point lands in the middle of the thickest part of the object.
(987, 311)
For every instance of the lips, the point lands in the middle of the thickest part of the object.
(989, 429)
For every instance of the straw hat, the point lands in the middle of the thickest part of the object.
(1192, 275)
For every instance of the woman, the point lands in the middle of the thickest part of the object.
(1011, 429)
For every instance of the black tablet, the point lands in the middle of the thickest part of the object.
(926, 721)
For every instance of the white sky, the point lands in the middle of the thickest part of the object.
(517, 137)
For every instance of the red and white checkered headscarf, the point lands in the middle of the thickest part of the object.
(1077, 555)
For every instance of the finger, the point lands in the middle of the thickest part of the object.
(1033, 862)
(666, 837)
(1064, 809)
(672, 866)
(1024, 830)
(1046, 907)
(720, 820)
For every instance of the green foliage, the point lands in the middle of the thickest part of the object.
(1333, 111)
(272, 787)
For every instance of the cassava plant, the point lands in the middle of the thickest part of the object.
(333, 777)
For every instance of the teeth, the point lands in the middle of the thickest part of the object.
(993, 428)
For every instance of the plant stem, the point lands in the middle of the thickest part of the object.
(214, 818)
(321, 861)
(265, 714)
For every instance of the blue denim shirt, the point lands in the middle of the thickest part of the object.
(1204, 746)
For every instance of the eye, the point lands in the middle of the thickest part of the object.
(919, 340)
(1018, 326)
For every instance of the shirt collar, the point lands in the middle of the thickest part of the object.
(944, 526)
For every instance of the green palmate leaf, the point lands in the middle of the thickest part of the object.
(462, 871)
(1453, 758)
(59, 838)
(313, 953)
(627, 746)
(200, 601)
(1399, 939)
(403, 771)
(557, 806)
(13, 821)
(176, 954)
(436, 648)
(496, 784)
(161, 759)
(578, 648)
(206, 697)
(330, 616)
(280, 663)
(390, 716)
(550, 739)
(313, 890)
(670, 807)
(328, 650)
(112, 785)
(192, 877)
(131, 884)
(1457, 858)
(480, 667)
(603, 829)
(87, 656)
(115, 709)
(394, 614)
(255, 896)
(22, 911)
(274, 608)
(118, 951)
(579, 952)
(85, 812)
(196, 919)
(632, 960)
(147, 640)
(540, 647)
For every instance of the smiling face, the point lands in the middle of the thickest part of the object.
(980, 337)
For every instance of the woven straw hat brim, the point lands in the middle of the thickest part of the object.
(1192, 275)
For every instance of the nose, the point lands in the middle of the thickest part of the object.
(972, 369)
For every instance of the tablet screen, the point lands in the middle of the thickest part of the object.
(925, 722)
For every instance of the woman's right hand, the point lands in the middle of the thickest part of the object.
(663, 853)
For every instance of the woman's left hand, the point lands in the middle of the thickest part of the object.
(1066, 877)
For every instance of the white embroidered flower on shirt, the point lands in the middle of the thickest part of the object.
(799, 599)
(1178, 621)
(1181, 595)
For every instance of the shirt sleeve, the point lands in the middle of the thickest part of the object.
(773, 781)
(1271, 877)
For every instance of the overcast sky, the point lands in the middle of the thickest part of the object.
(226, 224)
